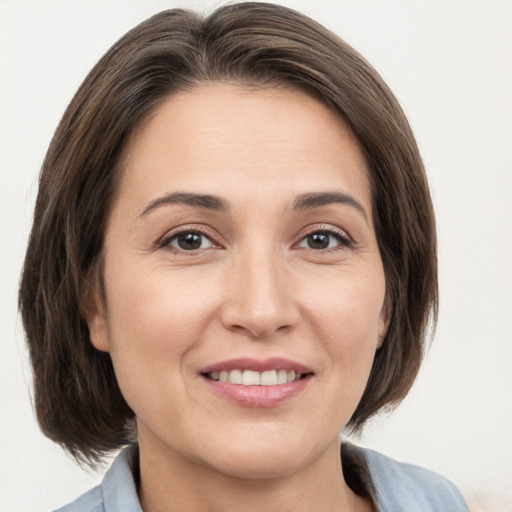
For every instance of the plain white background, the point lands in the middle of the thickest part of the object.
(449, 63)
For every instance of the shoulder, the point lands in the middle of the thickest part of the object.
(91, 501)
(117, 492)
(399, 486)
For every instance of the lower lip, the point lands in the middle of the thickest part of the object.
(258, 396)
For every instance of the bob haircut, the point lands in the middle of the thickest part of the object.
(77, 398)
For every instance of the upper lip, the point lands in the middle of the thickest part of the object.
(257, 365)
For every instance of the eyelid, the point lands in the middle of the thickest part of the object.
(345, 239)
(164, 241)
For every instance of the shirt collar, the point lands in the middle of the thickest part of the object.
(118, 486)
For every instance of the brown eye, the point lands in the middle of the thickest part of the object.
(323, 240)
(318, 241)
(189, 241)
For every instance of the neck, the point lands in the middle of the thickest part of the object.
(169, 482)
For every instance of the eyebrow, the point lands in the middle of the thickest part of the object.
(302, 202)
(207, 201)
(318, 199)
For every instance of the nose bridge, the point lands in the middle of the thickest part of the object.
(259, 298)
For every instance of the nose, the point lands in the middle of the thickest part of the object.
(259, 296)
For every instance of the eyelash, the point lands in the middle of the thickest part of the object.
(166, 241)
(341, 237)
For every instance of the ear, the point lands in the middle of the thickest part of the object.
(94, 312)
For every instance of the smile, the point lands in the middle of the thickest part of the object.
(257, 383)
(254, 378)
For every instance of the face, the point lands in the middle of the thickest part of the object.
(244, 286)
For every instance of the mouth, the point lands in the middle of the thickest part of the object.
(256, 378)
(258, 383)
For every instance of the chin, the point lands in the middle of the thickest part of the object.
(263, 455)
(258, 466)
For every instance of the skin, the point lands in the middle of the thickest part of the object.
(254, 288)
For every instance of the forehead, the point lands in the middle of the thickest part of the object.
(219, 134)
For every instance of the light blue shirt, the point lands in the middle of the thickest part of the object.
(399, 488)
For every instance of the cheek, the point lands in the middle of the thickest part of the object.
(155, 319)
(156, 298)
(348, 313)
(351, 306)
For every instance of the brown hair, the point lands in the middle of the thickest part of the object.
(77, 399)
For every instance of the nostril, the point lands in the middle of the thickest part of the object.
(261, 320)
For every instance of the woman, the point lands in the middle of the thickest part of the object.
(233, 259)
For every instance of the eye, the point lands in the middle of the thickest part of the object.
(319, 240)
(188, 241)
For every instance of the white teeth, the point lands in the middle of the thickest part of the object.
(252, 378)
(282, 377)
(269, 378)
(235, 377)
